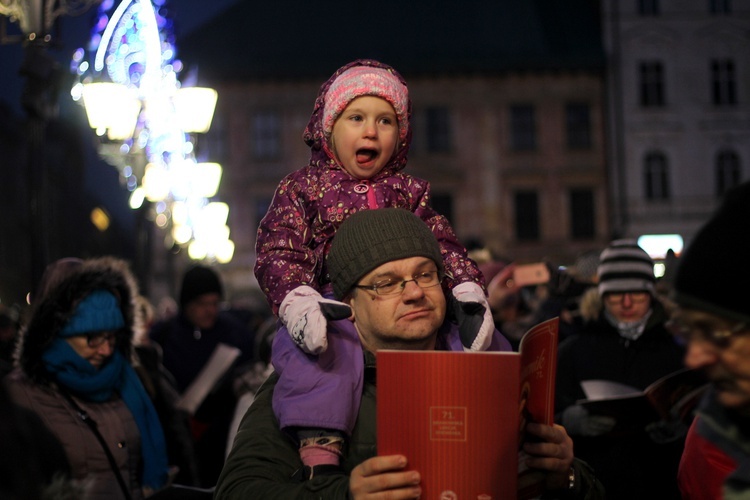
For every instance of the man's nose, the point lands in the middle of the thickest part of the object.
(412, 290)
(700, 353)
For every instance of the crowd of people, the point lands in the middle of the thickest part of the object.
(103, 398)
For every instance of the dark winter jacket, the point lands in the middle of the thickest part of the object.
(632, 465)
(598, 352)
(32, 387)
(265, 462)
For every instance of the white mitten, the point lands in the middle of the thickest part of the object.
(478, 325)
(304, 312)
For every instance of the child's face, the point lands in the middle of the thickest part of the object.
(365, 136)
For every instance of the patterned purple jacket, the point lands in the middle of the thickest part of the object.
(311, 203)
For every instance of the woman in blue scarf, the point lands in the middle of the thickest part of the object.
(74, 370)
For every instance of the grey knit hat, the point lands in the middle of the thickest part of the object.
(625, 267)
(370, 238)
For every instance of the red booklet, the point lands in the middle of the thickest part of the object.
(538, 351)
(458, 417)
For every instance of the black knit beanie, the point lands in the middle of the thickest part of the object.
(199, 280)
(716, 259)
(370, 238)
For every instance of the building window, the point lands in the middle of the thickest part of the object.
(578, 125)
(652, 84)
(266, 135)
(527, 215)
(582, 226)
(720, 6)
(648, 7)
(442, 204)
(214, 144)
(656, 177)
(727, 171)
(438, 130)
(723, 82)
(522, 127)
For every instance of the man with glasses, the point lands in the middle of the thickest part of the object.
(386, 266)
(713, 318)
(625, 342)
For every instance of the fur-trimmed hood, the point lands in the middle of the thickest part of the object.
(52, 310)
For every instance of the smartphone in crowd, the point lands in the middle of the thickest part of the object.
(531, 274)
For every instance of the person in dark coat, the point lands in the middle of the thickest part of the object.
(625, 341)
(75, 371)
(714, 320)
(188, 341)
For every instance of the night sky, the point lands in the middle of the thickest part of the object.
(75, 31)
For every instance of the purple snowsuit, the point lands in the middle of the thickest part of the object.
(293, 240)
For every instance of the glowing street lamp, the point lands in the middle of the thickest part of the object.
(131, 93)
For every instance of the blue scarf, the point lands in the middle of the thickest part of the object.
(99, 385)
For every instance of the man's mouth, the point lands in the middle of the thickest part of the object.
(365, 155)
(724, 385)
(416, 313)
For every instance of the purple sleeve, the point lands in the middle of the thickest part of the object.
(285, 259)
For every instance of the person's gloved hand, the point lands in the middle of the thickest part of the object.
(666, 431)
(305, 312)
(475, 323)
(579, 422)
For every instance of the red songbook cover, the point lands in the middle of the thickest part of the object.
(538, 350)
(459, 417)
(454, 416)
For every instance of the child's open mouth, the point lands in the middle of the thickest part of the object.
(366, 155)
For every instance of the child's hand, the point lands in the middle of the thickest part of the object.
(304, 312)
(475, 321)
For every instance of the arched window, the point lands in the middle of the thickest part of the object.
(656, 176)
(727, 171)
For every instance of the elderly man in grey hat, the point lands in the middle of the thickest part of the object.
(385, 264)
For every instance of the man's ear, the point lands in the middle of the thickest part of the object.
(349, 300)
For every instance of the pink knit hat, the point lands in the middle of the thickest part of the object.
(366, 80)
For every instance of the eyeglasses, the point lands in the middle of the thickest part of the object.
(396, 287)
(636, 297)
(718, 335)
(96, 340)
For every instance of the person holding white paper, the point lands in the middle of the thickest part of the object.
(623, 340)
(203, 348)
(385, 264)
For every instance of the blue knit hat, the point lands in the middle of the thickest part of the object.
(98, 312)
